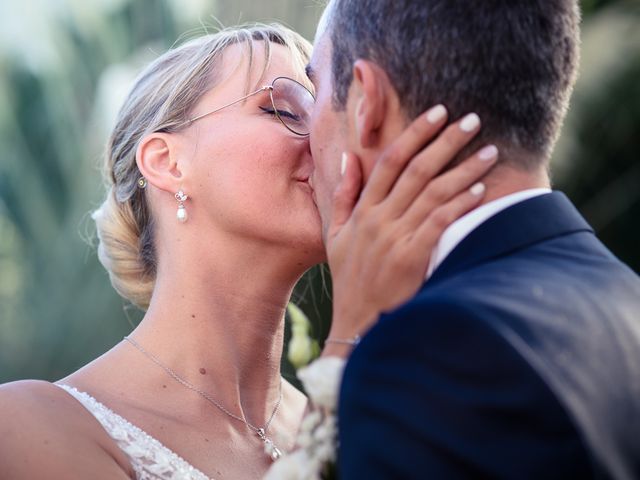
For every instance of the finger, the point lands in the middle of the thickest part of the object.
(449, 184)
(432, 228)
(430, 162)
(348, 190)
(399, 153)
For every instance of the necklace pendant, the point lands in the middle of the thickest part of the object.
(271, 450)
(269, 447)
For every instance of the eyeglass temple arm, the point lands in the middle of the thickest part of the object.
(262, 89)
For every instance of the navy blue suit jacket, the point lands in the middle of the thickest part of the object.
(519, 358)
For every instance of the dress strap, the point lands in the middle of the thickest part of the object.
(149, 458)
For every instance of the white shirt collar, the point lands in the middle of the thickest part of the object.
(458, 230)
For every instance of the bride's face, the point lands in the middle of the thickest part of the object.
(247, 174)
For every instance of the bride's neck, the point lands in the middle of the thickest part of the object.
(221, 324)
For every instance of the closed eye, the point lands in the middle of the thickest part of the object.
(282, 113)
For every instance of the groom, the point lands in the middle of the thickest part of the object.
(519, 357)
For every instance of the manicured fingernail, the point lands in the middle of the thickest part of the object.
(343, 164)
(436, 114)
(470, 123)
(488, 153)
(477, 189)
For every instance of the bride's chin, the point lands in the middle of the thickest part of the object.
(313, 252)
(316, 253)
(320, 258)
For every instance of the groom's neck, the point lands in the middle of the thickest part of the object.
(505, 179)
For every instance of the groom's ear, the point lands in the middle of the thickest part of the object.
(372, 91)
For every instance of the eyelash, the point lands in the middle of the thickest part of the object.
(282, 113)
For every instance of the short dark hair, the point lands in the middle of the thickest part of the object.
(513, 62)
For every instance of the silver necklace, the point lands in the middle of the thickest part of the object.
(269, 447)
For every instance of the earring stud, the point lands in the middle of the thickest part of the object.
(181, 215)
(142, 182)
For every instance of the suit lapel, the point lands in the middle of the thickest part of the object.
(521, 225)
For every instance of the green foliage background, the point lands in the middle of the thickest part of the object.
(64, 67)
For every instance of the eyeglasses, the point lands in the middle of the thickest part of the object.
(291, 103)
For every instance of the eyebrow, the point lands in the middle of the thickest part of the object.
(310, 72)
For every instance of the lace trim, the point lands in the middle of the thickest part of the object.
(150, 459)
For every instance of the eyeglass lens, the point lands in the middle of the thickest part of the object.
(293, 104)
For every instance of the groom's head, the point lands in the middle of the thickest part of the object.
(377, 64)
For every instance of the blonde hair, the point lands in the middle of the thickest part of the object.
(161, 100)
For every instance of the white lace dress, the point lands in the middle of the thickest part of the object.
(149, 458)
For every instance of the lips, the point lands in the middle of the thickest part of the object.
(306, 183)
(304, 179)
(313, 191)
(309, 184)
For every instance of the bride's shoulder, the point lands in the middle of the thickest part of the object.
(44, 432)
(32, 390)
(30, 398)
(38, 404)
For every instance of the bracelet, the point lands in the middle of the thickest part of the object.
(348, 341)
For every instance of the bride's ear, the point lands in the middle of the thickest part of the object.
(372, 90)
(158, 162)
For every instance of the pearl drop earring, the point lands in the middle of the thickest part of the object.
(181, 215)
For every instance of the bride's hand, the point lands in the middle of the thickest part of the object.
(380, 239)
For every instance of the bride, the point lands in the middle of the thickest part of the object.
(208, 223)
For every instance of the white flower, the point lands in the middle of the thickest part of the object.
(305, 440)
(311, 421)
(327, 431)
(299, 321)
(317, 449)
(326, 453)
(300, 350)
(321, 380)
